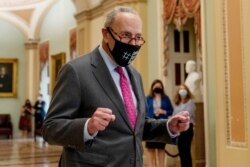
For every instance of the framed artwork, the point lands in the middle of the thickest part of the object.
(8, 77)
(57, 61)
(43, 54)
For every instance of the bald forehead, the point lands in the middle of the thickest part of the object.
(112, 16)
(127, 22)
(126, 17)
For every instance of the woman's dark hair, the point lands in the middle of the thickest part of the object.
(151, 93)
(27, 103)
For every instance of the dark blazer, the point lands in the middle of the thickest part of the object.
(165, 105)
(83, 85)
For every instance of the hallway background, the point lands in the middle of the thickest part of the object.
(44, 34)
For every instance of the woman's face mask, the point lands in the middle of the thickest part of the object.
(123, 53)
(183, 93)
(158, 90)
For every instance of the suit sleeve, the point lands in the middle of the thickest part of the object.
(62, 125)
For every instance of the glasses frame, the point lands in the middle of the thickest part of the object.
(110, 30)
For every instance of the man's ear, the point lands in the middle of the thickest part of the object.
(105, 35)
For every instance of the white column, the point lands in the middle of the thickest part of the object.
(32, 73)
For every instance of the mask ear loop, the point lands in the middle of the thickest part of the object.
(108, 29)
(109, 49)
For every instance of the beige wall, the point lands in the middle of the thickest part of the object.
(95, 32)
(227, 97)
(155, 40)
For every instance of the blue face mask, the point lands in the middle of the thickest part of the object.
(123, 53)
(183, 92)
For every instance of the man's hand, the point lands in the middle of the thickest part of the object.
(100, 120)
(179, 122)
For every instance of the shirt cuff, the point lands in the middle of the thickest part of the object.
(87, 136)
(170, 133)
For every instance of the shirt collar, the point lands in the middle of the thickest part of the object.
(107, 59)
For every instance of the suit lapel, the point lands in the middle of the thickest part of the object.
(104, 78)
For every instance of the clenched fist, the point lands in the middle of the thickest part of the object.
(100, 120)
(179, 122)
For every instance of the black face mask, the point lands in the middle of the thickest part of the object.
(158, 90)
(123, 53)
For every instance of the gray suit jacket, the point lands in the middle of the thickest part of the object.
(82, 86)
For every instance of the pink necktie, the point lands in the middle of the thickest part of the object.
(127, 96)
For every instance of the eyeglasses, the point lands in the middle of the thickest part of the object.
(127, 37)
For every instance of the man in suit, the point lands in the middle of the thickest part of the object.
(88, 110)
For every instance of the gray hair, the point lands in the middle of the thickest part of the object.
(110, 17)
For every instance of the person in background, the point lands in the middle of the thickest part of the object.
(183, 101)
(25, 124)
(159, 107)
(39, 111)
(98, 108)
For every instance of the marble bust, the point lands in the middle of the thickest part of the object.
(193, 80)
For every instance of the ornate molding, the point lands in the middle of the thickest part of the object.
(32, 44)
(14, 3)
(228, 102)
(103, 7)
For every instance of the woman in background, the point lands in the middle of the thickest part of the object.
(183, 101)
(25, 118)
(159, 107)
